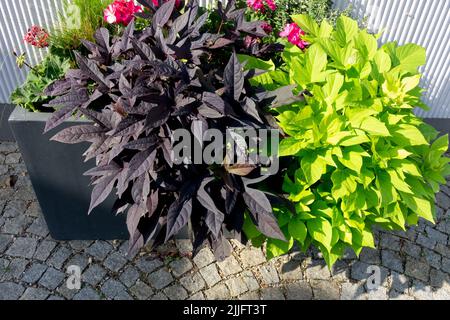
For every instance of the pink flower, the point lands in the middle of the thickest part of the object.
(177, 3)
(257, 5)
(37, 37)
(266, 27)
(271, 4)
(121, 11)
(294, 34)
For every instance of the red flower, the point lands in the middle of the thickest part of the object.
(294, 34)
(267, 27)
(271, 4)
(258, 5)
(37, 37)
(121, 11)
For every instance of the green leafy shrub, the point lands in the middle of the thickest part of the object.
(30, 94)
(359, 156)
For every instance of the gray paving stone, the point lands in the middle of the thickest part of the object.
(193, 282)
(229, 266)
(99, 250)
(412, 250)
(58, 257)
(392, 260)
(115, 261)
(352, 291)
(114, 290)
(176, 292)
(210, 274)
(317, 270)
(129, 276)
(341, 271)
(390, 241)
(432, 258)
(438, 278)
(291, 271)
(250, 280)
(80, 260)
(300, 290)
(38, 227)
(184, 246)
(381, 293)
(87, 293)
(51, 279)
(436, 235)
(236, 286)
(400, 282)
(34, 273)
(325, 290)
(272, 293)
(15, 269)
(34, 210)
(443, 200)
(44, 250)
(14, 208)
(16, 225)
(425, 241)
(12, 158)
(254, 295)
(417, 269)
(66, 292)
(218, 292)
(370, 256)
(180, 267)
(394, 295)
(421, 291)
(79, 245)
(443, 250)
(148, 265)
(10, 291)
(35, 294)
(55, 297)
(203, 258)
(252, 257)
(141, 291)
(159, 296)
(5, 241)
(269, 274)
(359, 270)
(160, 279)
(93, 275)
(22, 247)
(445, 265)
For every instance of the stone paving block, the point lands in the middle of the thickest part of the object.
(99, 250)
(252, 257)
(218, 292)
(394, 295)
(425, 241)
(58, 257)
(10, 291)
(176, 292)
(229, 266)
(381, 293)
(443, 250)
(114, 290)
(93, 275)
(400, 282)
(16, 225)
(203, 258)
(445, 265)
(325, 290)
(390, 241)
(291, 271)
(160, 279)
(193, 282)
(35, 294)
(300, 290)
(66, 292)
(443, 200)
(115, 261)
(12, 158)
(340, 271)
(22, 248)
(34, 273)
(80, 260)
(438, 278)
(197, 296)
(87, 293)
(317, 270)
(370, 256)
(236, 286)
(210, 274)
(250, 280)
(180, 267)
(421, 291)
(141, 290)
(417, 269)
(272, 293)
(34, 210)
(392, 260)
(436, 235)
(5, 241)
(412, 250)
(268, 274)
(14, 208)
(148, 265)
(52, 278)
(38, 227)
(433, 258)
(254, 295)
(44, 250)
(15, 269)
(352, 291)
(159, 296)
(129, 276)
(184, 246)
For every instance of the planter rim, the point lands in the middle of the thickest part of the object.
(21, 114)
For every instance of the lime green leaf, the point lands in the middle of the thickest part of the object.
(255, 63)
(277, 248)
(374, 126)
(313, 167)
(346, 29)
(320, 230)
(290, 146)
(307, 24)
(382, 61)
(405, 134)
(297, 229)
(424, 208)
(343, 183)
(366, 44)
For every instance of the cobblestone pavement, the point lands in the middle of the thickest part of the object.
(411, 265)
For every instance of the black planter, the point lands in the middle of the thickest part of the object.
(56, 172)
(5, 130)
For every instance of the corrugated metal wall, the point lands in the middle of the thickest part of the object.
(16, 16)
(425, 22)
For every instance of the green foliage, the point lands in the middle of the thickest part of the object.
(80, 20)
(359, 155)
(29, 95)
(318, 10)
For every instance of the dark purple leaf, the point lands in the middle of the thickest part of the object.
(77, 134)
(141, 162)
(234, 77)
(178, 216)
(58, 117)
(162, 15)
(102, 190)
